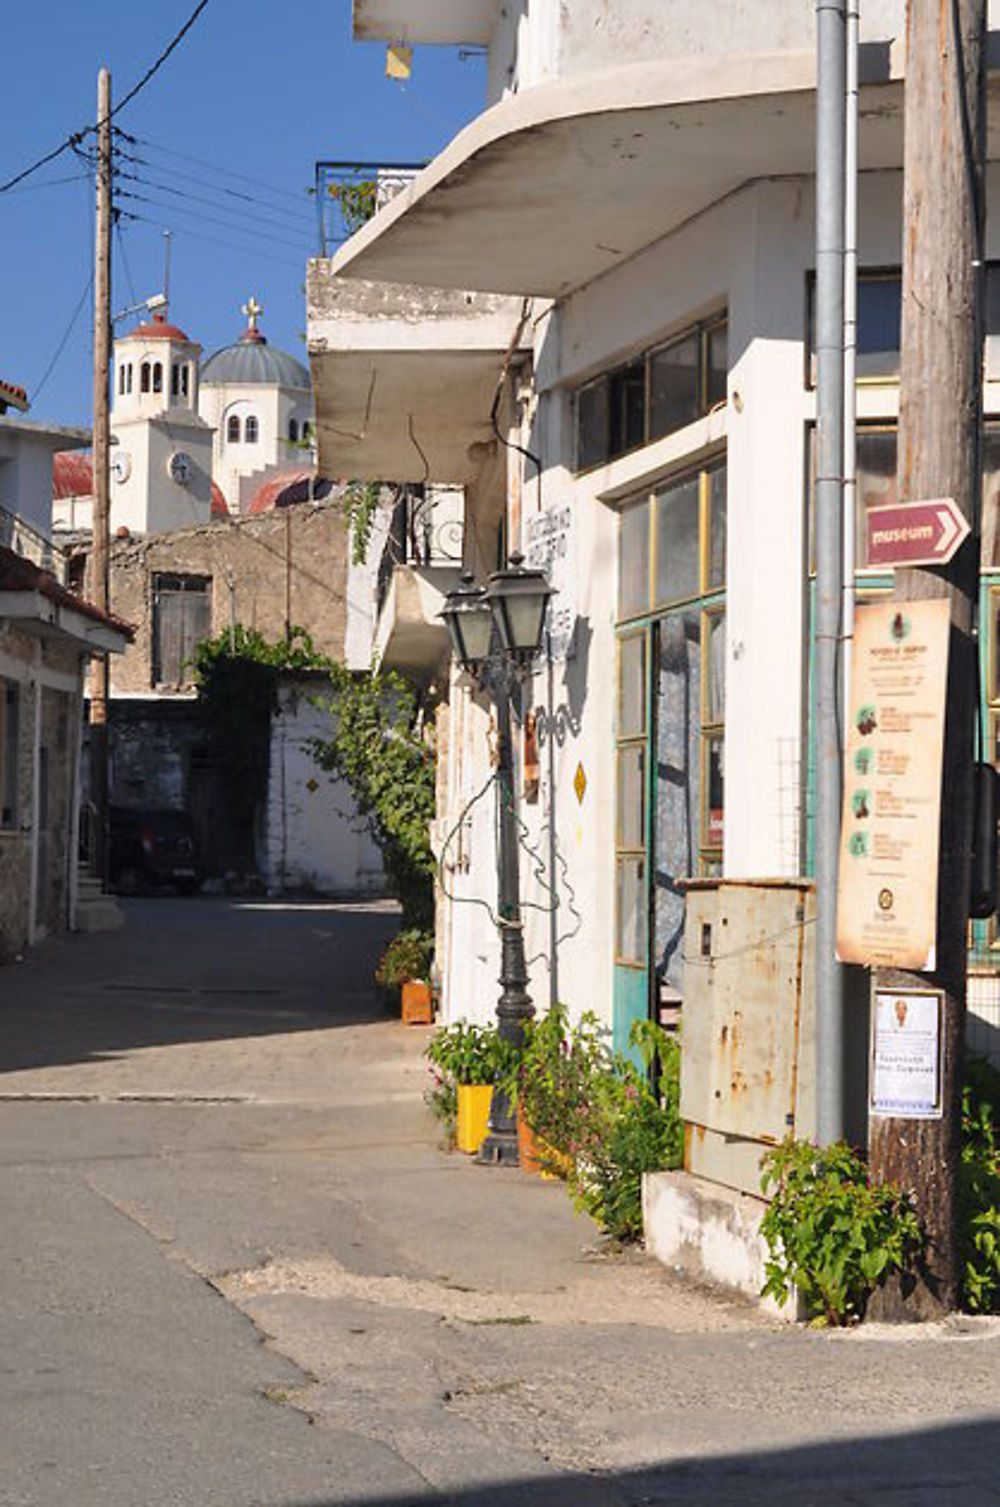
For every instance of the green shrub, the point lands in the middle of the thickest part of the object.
(471, 1054)
(830, 1233)
(597, 1112)
(979, 1189)
(408, 956)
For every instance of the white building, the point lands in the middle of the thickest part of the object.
(635, 210)
(258, 401)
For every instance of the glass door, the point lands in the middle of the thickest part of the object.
(631, 976)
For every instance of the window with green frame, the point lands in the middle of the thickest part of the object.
(652, 395)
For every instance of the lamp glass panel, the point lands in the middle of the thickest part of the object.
(475, 625)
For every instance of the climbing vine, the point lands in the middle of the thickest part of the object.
(381, 748)
(360, 503)
(356, 202)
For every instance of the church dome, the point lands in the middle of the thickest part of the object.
(250, 360)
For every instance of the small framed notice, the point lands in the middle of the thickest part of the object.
(906, 1054)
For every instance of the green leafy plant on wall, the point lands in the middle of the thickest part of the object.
(408, 956)
(979, 1188)
(360, 503)
(831, 1234)
(236, 675)
(381, 747)
(356, 201)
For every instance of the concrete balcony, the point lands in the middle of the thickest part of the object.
(426, 21)
(404, 378)
(421, 563)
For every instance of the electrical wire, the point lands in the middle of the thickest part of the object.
(224, 172)
(78, 136)
(125, 265)
(239, 215)
(203, 219)
(65, 338)
(214, 240)
(31, 188)
(302, 220)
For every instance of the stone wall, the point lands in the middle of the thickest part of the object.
(290, 565)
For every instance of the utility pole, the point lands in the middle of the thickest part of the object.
(940, 410)
(102, 482)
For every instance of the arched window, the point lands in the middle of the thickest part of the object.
(233, 429)
(144, 376)
(121, 381)
(128, 378)
(250, 430)
(184, 379)
(293, 431)
(307, 430)
(158, 377)
(175, 381)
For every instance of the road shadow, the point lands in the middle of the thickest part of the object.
(198, 970)
(953, 1466)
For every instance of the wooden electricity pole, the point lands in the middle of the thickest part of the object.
(101, 483)
(940, 407)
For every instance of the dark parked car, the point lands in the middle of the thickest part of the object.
(153, 848)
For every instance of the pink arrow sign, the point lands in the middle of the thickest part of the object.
(915, 533)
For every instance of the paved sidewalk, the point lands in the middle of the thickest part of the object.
(237, 1269)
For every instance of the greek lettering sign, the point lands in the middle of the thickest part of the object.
(906, 1054)
(888, 873)
(548, 546)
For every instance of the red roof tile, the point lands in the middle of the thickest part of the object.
(288, 487)
(158, 329)
(18, 574)
(17, 397)
(72, 474)
(220, 508)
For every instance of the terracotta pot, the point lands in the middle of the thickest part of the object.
(536, 1156)
(417, 1003)
(473, 1116)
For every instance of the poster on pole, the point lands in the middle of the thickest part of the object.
(888, 871)
(906, 1054)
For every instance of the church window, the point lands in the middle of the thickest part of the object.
(293, 430)
(175, 381)
(144, 376)
(307, 430)
(233, 429)
(121, 381)
(128, 377)
(250, 430)
(158, 377)
(184, 379)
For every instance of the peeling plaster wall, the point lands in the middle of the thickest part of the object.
(314, 838)
(252, 552)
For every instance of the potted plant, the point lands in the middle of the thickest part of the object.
(472, 1058)
(405, 965)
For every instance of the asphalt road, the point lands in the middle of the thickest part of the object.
(237, 1270)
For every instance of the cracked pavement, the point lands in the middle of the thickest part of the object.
(237, 1269)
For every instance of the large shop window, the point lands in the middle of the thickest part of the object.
(182, 619)
(9, 740)
(880, 302)
(653, 395)
(876, 488)
(670, 714)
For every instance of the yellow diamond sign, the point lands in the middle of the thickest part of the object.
(580, 783)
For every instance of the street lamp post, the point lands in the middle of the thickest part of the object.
(496, 632)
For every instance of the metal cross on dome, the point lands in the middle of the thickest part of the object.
(252, 309)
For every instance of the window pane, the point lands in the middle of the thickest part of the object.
(717, 489)
(715, 667)
(627, 408)
(630, 940)
(718, 364)
(714, 792)
(673, 387)
(879, 308)
(677, 557)
(591, 425)
(632, 686)
(633, 560)
(631, 797)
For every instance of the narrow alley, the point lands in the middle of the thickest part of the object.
(241, 1271)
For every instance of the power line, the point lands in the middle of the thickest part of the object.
(299, 217)
(212, 167)
(78, 136)
(128, 270)
(213, 203)
(30, 188)
(63, 342)
(176, 209)
(214, 240)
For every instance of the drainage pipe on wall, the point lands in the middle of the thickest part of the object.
(831, 28)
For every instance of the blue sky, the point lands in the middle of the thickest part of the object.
(254, 95)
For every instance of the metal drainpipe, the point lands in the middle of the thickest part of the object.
(831, 18)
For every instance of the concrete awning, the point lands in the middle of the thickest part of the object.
(404, 378)
(562, 182)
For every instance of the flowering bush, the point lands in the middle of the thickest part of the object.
(408, 956)
(599, 1113)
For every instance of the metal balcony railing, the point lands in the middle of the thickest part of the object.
(27, 542)
(349, 193)
(427, 530)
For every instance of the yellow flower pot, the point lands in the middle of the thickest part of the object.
(473, 1116)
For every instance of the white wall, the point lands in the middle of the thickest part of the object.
(314, 838)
